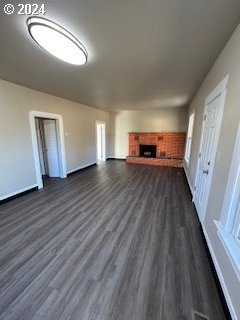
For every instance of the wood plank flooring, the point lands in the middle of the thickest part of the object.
(113, 242)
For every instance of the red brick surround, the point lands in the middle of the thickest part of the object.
(170, 148)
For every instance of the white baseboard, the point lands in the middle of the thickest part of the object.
(18, 191)
(116, 157)
(220, 276)
(188, 180)
(82, 167)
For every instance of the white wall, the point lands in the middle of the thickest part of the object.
(17, 169)
(227, 63)
(157, 120)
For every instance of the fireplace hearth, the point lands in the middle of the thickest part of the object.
(147, 151)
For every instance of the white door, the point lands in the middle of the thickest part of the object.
(101, 141)
(50, 133)
(207, 156)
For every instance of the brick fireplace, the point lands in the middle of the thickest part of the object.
(157, 148)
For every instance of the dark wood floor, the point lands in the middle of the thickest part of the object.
(115, 242)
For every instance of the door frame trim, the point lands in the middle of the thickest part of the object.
(220, 90)
(61, 147)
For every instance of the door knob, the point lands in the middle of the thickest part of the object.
(205, 171)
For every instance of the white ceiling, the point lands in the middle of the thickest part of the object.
(142, 53)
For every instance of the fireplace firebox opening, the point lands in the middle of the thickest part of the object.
(147, 151)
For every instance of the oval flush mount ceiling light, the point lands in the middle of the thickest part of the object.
(57, 40)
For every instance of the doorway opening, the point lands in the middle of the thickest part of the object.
(48, 147)
(101, 141)
(208, 154)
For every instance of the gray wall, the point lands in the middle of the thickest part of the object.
(227, 63)
(17, 169)
(156, 120)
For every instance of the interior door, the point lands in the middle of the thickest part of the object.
(207, 156)
(101, 141)
(51, 143)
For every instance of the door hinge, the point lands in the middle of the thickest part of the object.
(195, 188)
(205, 117)
(199, 155)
